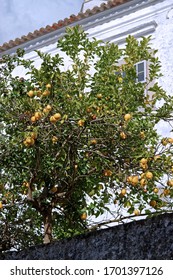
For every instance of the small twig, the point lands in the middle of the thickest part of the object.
(63, 145)
(85, 175)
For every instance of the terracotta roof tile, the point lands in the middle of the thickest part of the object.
(24, 38)
(61, 23)
(95, 10)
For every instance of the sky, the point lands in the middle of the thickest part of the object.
(19, 17)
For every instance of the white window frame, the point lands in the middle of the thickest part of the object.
(144, 71)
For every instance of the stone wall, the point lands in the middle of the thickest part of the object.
(144, 239)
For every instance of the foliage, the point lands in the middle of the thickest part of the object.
(79, 140)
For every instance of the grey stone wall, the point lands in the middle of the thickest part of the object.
(144, 239)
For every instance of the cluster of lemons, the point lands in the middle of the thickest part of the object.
(38, 115)
(39, 93)
(30, 139)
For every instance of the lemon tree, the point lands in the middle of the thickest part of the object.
(78, 141)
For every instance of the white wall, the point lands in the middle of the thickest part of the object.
(155, 20)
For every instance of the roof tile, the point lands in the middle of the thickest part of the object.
(61, 23)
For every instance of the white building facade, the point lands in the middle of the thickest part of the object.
(111, 21)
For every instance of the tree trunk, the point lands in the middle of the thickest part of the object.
(47, 218)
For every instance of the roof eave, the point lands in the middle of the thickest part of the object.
(87, 21)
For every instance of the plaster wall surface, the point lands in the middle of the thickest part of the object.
(155, 20)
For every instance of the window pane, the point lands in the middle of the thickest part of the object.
(141, 67)
(141, 77)
(123, 74)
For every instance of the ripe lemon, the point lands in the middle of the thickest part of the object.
(46, 93)
(57, 116)
(48, 86)
(134, 180)
(37, 115)
(170, 183)
(123, 191)
(149, 175)
(30, 93)
(54, 139)
(83, 216)
(127, 117)
(136, 212)
(33, 119)
(52, 119)
(155, 190)
(93, 142)
(153, 203)
(81, 123)
(123, 135)
(107, 173)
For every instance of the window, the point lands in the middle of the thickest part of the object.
(141, 71)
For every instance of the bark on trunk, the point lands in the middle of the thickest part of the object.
(47, 218)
